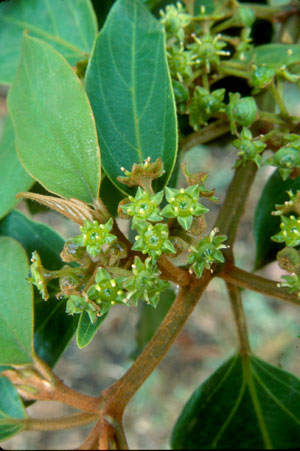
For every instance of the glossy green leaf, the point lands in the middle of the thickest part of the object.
(246, 404)
(13, 177)
(129, 87)
(55, 133)
(69, 26)
(275, 55)
(16, 306)
(33, 236)
(150, 319)
(110, 195)
(267, 225)
(86, 330)
(53, 328)
(10, 407)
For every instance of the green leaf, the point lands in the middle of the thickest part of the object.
(53, 328)
(86, 330)
(150, 319)
(16, 306)
(69, 26)
(33, 236)
(13, 177)
(267, 225)
(11, 406)
(110, 195)
(55, 133)
(246, 404)
(129, 87)
(274, 55)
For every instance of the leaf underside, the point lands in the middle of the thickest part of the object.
(16, 306)
(130, 92)
(55, 133)
(69, 26)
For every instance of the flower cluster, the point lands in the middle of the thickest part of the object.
(98, 277)
(290, 231)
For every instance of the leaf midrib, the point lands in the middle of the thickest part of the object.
(27, 26)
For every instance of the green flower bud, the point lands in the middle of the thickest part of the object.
(153, 239)
(204, 105)
(249, 149)
(206, 252)
(145, 283)
(287, 158)
(241, 110)
(175, 19)
(181, 92)
(289, 259)
(38, 275)
(262, 76)
(246, 15)
(183, 204)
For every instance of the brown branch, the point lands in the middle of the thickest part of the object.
(239, 317)
(114, 400)
(267, 287)
(53, 424)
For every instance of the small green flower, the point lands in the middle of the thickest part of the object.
(106, 291)
(153, 239)
(94, 236)
(290, 231)
(204, 105)
(145, 283)
(183, 205)
(78, 304)
(37, 276)
(143, 206)
(207, 252)
(292, 282)
(175, 19)
(207, 51)
(249, 149)
(180, 63)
